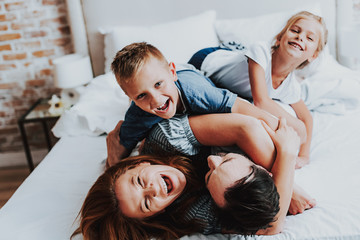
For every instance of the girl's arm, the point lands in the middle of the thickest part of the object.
(287, 143)
(262, 100)
(304, 115)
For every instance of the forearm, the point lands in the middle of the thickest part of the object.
(246, 108)
(305, 147)
(283, 175)
(275, 109)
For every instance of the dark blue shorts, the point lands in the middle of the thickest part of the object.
(198, 58)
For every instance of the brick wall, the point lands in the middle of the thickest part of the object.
(32, 34)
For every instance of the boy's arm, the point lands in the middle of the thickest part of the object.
(287, 143)
(262, 100)
(304, 115)
(227, 129)
(116, 151)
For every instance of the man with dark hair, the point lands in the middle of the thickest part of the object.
(251, 203)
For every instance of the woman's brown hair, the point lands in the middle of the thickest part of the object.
(101, 218)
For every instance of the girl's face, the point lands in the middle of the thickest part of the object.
(148, 189)
(302, 39)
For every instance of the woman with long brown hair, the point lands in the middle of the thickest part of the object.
(101, 216)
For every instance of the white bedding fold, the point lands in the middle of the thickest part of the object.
(335, 89)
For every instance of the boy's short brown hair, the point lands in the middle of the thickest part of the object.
(129, 60)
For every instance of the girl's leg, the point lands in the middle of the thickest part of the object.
(197, 59)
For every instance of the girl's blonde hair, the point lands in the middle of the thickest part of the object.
(100, 216)
(304, 15)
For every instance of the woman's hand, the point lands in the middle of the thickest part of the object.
(115, 150)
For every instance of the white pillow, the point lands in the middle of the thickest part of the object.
(100, 107)
(177, 40)
(260, 28)
(264, 28)
(250, 30)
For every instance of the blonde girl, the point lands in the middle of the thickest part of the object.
(264, 73)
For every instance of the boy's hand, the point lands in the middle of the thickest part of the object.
(114, 149)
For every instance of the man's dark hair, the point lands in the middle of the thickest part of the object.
(250, 204)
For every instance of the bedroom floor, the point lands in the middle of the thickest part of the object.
(10, 179)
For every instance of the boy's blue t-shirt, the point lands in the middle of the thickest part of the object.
(199, 94)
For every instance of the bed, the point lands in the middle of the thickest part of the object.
(46, 205)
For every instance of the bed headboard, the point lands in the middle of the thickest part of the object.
(145, 13)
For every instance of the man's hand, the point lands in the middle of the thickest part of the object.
(115, 150)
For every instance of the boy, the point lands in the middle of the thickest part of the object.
(159, 92)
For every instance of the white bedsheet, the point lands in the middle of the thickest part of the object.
(46, 204)
(333, 88)
(332, 178)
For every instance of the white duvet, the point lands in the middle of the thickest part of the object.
(332, 178)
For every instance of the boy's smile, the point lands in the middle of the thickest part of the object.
(153, 88)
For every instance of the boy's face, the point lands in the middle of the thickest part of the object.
(153, 89)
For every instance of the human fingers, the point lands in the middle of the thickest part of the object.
(268, 129)
(282, 122)
(118, 125)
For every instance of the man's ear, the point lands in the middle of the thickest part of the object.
(173, 70)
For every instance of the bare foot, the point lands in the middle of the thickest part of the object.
(300, 201)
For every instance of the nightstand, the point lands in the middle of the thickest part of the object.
(39, 112)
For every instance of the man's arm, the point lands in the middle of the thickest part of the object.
(116, 151)
(287, 143)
